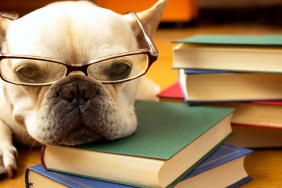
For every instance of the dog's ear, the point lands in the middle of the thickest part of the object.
(150, 19)
(5, 19)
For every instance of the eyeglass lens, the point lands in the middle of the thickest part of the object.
(18, 70)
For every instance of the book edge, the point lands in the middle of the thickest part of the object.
(260, 40)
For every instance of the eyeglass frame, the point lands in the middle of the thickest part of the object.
(151, 52)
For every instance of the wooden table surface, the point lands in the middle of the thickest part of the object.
(264, 165)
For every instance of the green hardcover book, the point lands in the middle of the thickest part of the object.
(255, 53)
(171, 139)
(262, 40)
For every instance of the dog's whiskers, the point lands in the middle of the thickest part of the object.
(31, 146)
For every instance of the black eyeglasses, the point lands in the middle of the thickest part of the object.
(41, 71)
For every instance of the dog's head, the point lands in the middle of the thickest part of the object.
(82, 56)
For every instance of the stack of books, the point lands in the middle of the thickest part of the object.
(175, 145)
(239, 71)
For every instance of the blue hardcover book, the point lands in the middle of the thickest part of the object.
(223, 168)
(205, 71)
(226, 164)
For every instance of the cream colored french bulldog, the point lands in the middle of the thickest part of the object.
(68, 75)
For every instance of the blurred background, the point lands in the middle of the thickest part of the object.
(182, 13)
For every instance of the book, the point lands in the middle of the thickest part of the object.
(254, 123)
(223, 168)
(172, 93)
(38, 177)
(225, 165)
(219, 86)
(254, 53)
(156, 155)
(256, 136)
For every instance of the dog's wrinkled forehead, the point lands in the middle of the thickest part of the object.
(76, 31)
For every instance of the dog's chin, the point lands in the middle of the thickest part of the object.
(80, 134)
(72, 140)
(77, 110)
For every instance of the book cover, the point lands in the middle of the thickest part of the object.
(241, 53)
(38, 176)
(222, 168)
(222, 155)
(205, 71)
(171, 94)
(263, 40)
(166, 133)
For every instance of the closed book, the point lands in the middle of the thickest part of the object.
(218, 86)
(223, 168)
(255, 124)
(156, 155)
(256, 136)
(38, 177)
(255, 53)
(172, 93)
(225, 165)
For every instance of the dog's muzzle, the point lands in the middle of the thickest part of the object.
(75, 110)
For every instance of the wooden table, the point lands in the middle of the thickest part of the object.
(265, 165)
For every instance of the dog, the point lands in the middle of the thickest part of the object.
(50, 94)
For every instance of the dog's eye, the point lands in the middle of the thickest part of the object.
(27, 72)
(119, 70)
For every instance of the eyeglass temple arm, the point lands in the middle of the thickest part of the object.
(152, 46)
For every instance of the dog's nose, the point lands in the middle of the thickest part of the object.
(80, 91)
